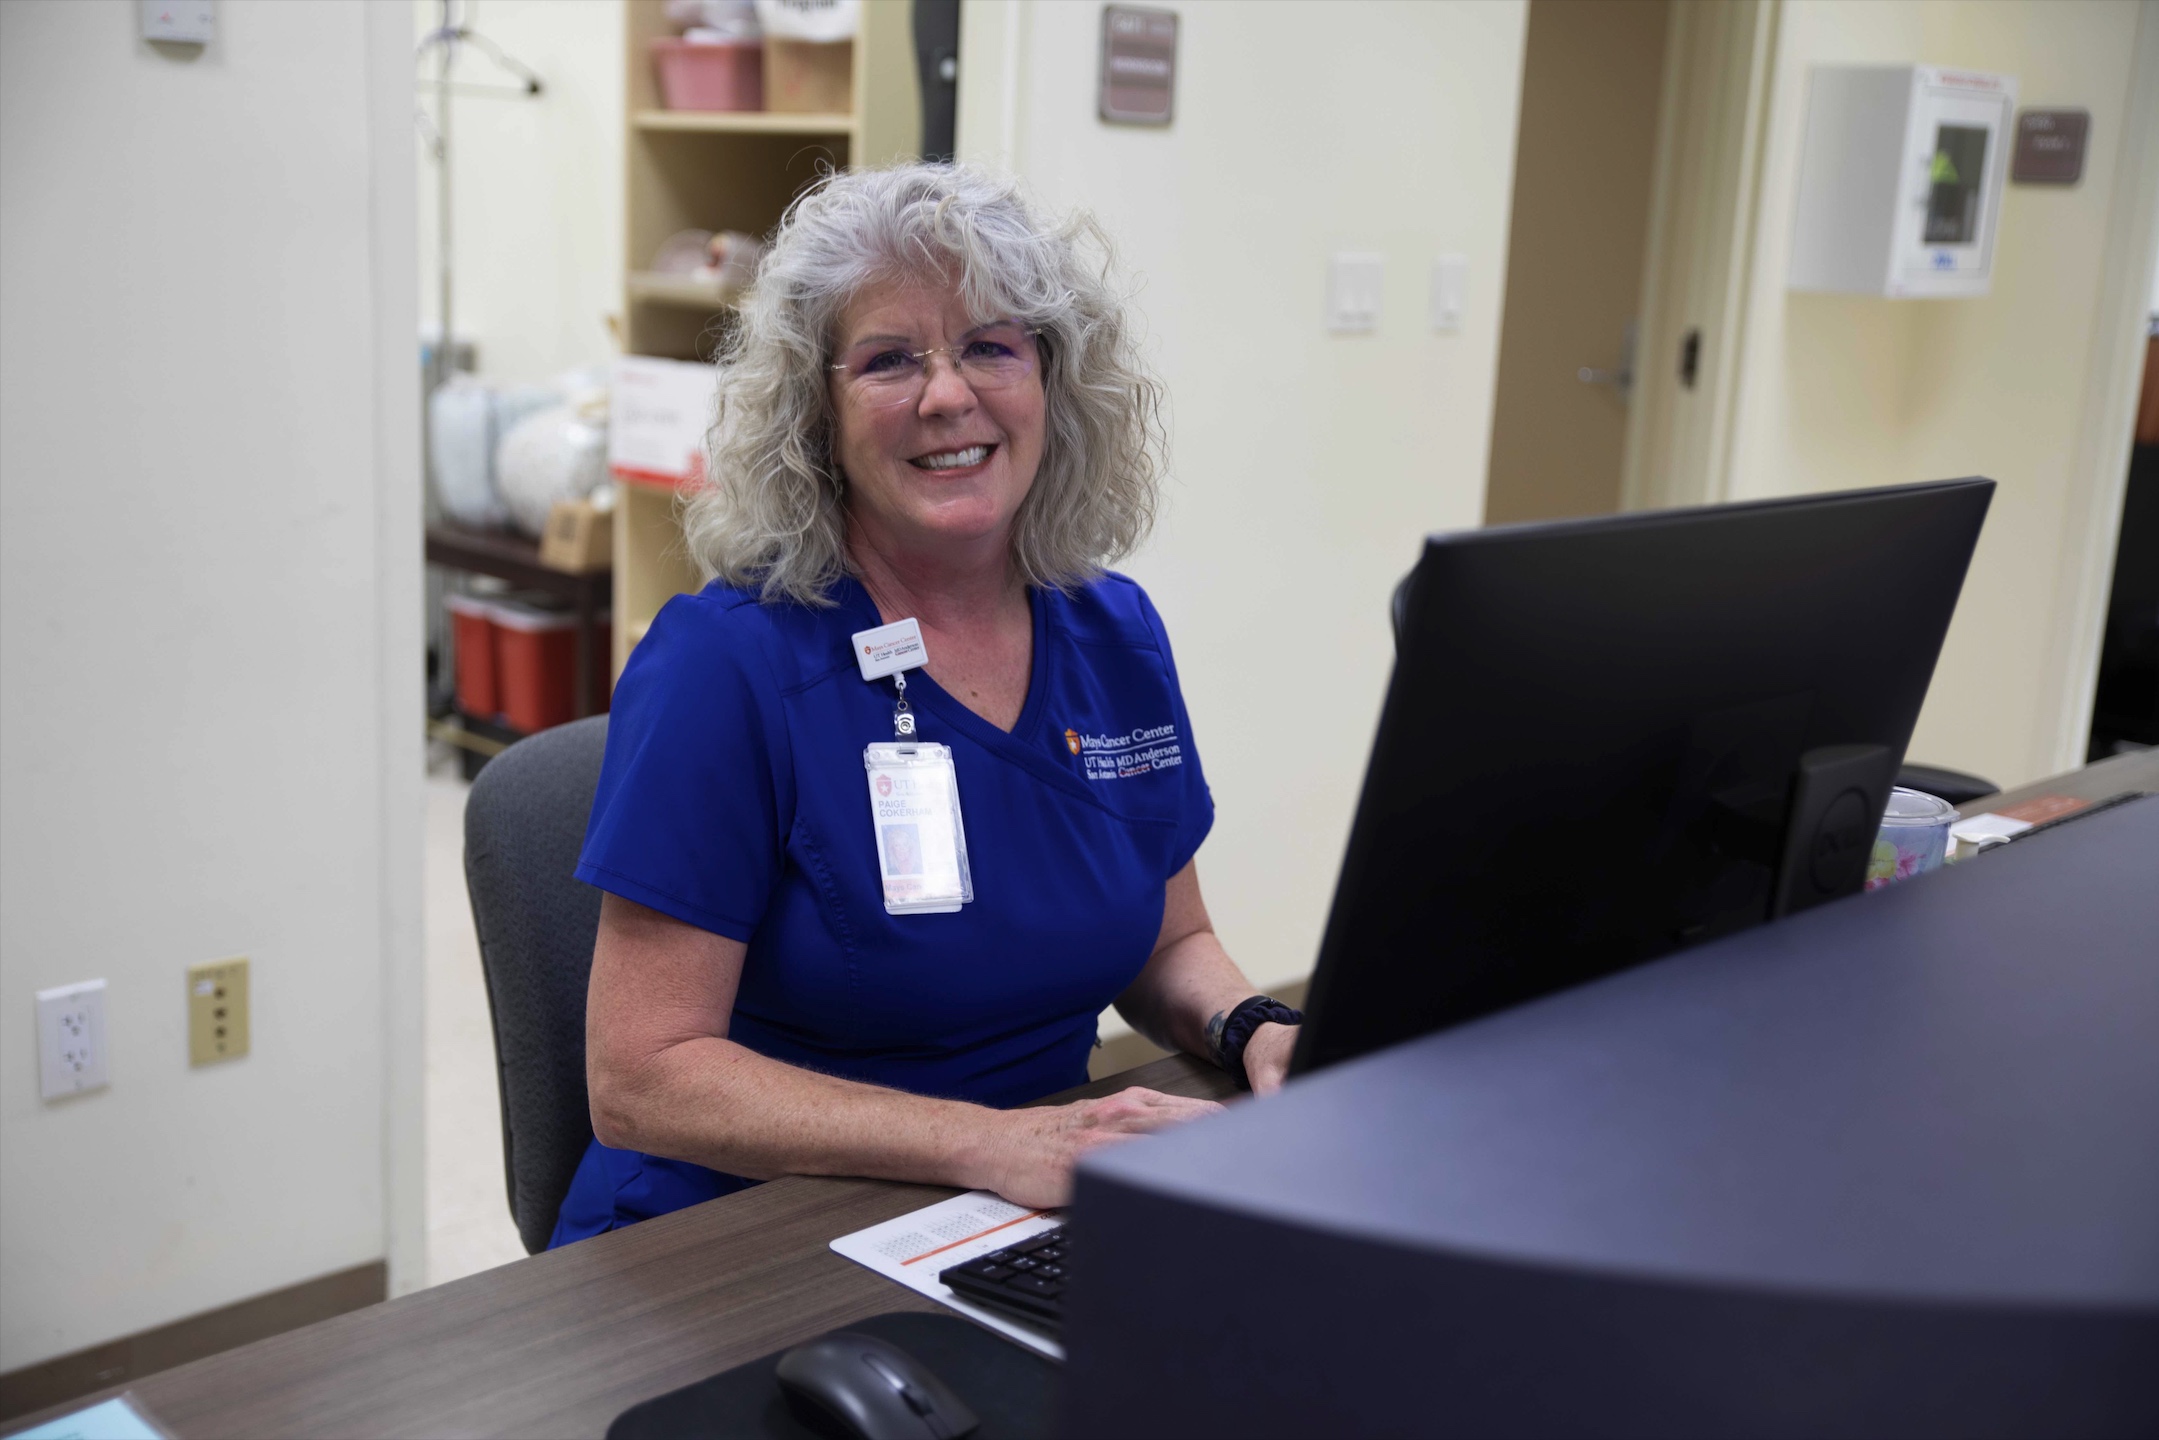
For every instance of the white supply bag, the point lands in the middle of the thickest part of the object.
(461, 443)
(557, 454)
(821, 21)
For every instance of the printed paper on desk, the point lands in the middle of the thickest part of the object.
(657, 414)
(1989, 826)
(917, 1247)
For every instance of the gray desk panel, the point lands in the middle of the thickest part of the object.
(1943, 1091)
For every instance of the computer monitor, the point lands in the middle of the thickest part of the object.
(1609, 739)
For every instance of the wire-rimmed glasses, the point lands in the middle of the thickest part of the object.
(996, 356)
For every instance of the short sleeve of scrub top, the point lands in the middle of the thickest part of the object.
(733, 798)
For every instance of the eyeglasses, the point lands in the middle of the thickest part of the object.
(995, 357)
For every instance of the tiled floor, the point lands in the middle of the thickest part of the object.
(468, 1213)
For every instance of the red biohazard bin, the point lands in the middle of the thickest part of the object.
(472, 636)
(602, 698)
(536, 665)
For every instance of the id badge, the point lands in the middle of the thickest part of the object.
(921, 844)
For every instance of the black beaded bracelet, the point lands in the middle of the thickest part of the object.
(1230, 1030)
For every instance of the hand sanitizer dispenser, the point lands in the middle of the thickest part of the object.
(1900, 181)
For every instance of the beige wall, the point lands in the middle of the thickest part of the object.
(209, 653)
(537, 208)
(1842, 391)
(1307, 465)
(1592, 76)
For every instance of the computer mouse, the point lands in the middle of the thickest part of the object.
(859, 1386)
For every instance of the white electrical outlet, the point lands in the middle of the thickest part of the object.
(1450, 286)
(71, 1039)
(1353, 288)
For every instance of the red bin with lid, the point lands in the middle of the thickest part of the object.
(472, 637)
(536, 665)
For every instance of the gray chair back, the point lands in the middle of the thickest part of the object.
(524, 824)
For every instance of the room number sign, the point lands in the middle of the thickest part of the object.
(1139, 65)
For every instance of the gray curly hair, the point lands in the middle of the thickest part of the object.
(773, 513)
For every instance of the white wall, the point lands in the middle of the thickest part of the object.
(1843, 391)
(209, 666)
(536, 231)
(1307, 466)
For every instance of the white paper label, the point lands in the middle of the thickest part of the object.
(890, 649)
(657, 415)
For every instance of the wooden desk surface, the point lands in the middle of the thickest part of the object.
(561, 1343)
(2099, 781)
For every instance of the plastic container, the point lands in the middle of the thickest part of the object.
(536, 665)
(710, 75)
(472, 637)
(1914, 837)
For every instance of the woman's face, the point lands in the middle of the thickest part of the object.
(942, 472)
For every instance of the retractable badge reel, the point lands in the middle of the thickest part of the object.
(914, 792)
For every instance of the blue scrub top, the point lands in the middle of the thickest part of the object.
(733, 798)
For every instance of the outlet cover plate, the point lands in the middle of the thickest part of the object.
(217, 1027)
(71, 1039)
(1354, 281)
(1450, 290)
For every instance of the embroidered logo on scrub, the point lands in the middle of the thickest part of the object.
(1121, 757)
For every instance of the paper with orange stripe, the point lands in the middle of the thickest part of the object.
(916, 1247)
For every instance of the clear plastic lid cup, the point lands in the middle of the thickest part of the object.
(1914, 837)
(1916, 807)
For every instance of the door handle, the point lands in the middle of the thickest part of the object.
(1621, 378)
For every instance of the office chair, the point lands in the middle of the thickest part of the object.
(524, 824)
(1954, 786)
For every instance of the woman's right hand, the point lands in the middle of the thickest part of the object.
(1029, 1154)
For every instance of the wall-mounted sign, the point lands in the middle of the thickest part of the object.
(2050, 147)
(1139, 65)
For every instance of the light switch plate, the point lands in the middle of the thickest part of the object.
(1450, 289)
(1354, 279)
(71, 1039)
(183, 22)
(217, 1011)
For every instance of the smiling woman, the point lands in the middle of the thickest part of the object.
(775, 518)
(932, 412)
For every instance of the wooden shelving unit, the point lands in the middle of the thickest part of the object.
(724, 170)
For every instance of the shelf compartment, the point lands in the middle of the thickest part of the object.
(744, 122)
(684, 290)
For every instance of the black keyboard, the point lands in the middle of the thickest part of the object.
(1025, 1280)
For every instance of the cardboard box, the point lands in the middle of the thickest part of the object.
(580, 538)
(806, 78)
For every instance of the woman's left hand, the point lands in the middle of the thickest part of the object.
(1266, 1057)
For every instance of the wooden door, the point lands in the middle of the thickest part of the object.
(1585, 151)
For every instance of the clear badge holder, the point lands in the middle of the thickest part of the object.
(915, 807)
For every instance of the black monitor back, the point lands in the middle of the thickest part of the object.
(1600, 736)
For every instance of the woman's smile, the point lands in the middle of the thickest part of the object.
(964, 461)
